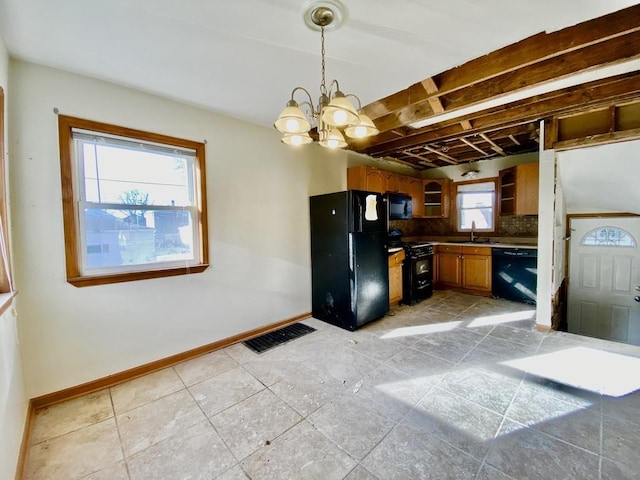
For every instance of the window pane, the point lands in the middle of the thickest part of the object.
(483, 218)
(476, 206)
(114, 238)
(476, 200)
(609, 236)
(122, 175)
(134, 203)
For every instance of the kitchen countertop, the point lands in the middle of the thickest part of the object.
(494, 242)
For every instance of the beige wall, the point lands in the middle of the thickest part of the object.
(487, 168)
(258, 193)
(13, 400)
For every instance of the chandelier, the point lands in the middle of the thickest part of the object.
(334, 113)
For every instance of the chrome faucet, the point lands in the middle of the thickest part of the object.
(473, 227)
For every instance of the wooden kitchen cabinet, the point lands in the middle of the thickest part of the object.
(436, 195)
(367, 178)
(476, 268)
(467, 268)
(415, 189)
(395, 278)
(448, 266)
(518, 188)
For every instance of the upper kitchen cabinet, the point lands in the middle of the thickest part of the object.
(436, 195)
(373, 179)
(415, 189)
(519, 189)
(367, 178)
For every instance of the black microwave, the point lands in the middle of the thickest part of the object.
(399, 206)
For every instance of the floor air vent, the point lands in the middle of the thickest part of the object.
(278, 337)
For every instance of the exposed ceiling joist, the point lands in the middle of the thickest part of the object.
(519, 66)
(475, 147)
(502, 97)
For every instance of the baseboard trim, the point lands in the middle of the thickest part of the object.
(126, 375)
(26, 440)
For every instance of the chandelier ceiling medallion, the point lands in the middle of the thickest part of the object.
(334, 112)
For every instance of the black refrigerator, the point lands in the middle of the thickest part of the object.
(349, 259)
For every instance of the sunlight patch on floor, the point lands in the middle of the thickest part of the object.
(461, 420)
(420, 330)
(586, 368)
(502, 318)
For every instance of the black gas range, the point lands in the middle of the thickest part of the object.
(417, 268)
(417, 272)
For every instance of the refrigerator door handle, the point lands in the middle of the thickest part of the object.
(358, 212)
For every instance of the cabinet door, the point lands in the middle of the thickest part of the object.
(527, 179)
(476, 272)
(392, 181)
(395, 285)
(376, 181)
(449, 269)
(403, 184)
(416, 192)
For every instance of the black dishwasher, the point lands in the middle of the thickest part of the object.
(515, 274)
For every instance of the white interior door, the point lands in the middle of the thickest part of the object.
(604, 278)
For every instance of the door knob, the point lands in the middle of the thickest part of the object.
(637, 298)
(638, 288)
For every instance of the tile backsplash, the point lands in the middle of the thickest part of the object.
(511, 226)
(518, 226)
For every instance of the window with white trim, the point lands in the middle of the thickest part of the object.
(134, 203)
(476, 206)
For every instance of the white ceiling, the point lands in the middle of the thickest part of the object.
(242, 58)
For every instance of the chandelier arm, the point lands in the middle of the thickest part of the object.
(308, 102)
(332, 92)
(293, 92)
(356, 97)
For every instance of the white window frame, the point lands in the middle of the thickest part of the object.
(461, 190)
(75, 132)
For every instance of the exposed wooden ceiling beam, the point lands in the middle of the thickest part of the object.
(424, 161)
(443, 156)
(534, 49)
(494, 146)
(601, 92)
(475, 147)
(609, 52)
(434, 102)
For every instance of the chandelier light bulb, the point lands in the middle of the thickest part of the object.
(339, 117)
(333, 140)
(364, 129)
(359, 131)
(292, 125)
(296, 139)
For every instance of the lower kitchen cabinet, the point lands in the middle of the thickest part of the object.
(395, 277)
(476, 269)
(464, 267)
(448, 266)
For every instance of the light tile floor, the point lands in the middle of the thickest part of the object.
(422, 394)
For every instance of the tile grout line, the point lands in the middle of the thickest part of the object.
(115, 419)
